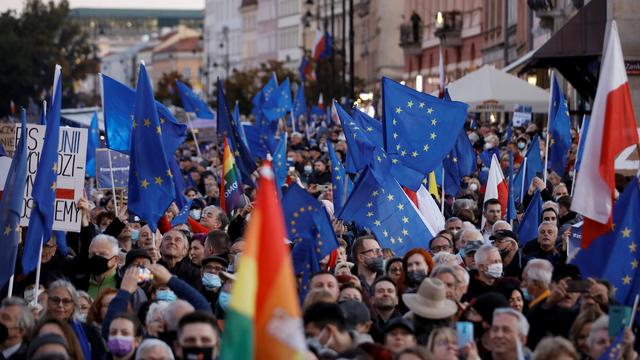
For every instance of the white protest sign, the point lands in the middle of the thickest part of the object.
(72, 153)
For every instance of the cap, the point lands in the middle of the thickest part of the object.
(218, 259)
(501, 234)
(355, 313)
(399, 322)
(134, 254)
(472, 246)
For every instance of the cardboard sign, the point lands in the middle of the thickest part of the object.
(72, 153)
(114, 174)
(8, 138)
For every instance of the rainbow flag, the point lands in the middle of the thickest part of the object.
(263, 320)
(230, 186)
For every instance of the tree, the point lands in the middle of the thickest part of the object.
(32, 44)
(166, 91)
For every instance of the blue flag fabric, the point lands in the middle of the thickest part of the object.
(511, 202)
(192, 103)
(151, 186)
(379, 204)
(280, 166)
(300, 104)
(280, 103)
(11, 206)
(238, 124)
(241, 153)
(3, 152)
(615, 255)
(583, 138)
(363, 134)
(309, 228)
(263, 96)
(44, 188)
(61, 241)
(257, 147)
(615, 350)
(341, 183)
(559, 130)
(42, 120)
(183, 214)
(179, 186)
(460, 162)
(118, 100)
(528, 170)
(118, 167)
(417, 130)
(528, 228)
(92, 145)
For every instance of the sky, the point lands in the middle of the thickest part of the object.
(138, 4)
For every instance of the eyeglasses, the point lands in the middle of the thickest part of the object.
(395, 270)
(436, 249)
(56, 300)
(376, 251)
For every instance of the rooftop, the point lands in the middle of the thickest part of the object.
(135, 13)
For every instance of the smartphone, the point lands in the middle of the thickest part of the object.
(619, 317)
(578, 286)
(464, 332)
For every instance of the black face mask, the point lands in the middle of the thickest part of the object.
(197, 353)
(504, 254)
(168, 337)
(375, 264)
(416, 276)
(98, 264)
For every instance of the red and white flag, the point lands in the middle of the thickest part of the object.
(497, 187)
(319, 45)
(611, 130)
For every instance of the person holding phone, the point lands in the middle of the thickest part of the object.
(444, 344)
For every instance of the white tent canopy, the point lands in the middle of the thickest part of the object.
(488, 89)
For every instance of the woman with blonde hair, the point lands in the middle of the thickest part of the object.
(555, 348)
(443, 345)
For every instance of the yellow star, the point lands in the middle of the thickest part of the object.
(159, 129)
(169, 174)
(398, 110)
(390, 197)
(369, 204)
(434, 122)
(53, 186)
(400, 207)
(410, 104)
(433, 136)
(626, 232)
(370, 214)
(633, 246)
(295, 214)
(147, 122)
(405, 219)
(455, 159)
(158, 180)
(301, 209)
(162, 120)
(414, 154)
(626, 280)
(144, 183)
(385, 233)
(7, 230)
(634, 264)
(55, 167)
(337, 177)
(134, 123)
(405, 232)
(369, 129)
(425, 147)
(377, 223)
(395, 161)
(395, 135)
(421, 105)
(429, 110)
(375, 193)
(292, 222)
(403, 153)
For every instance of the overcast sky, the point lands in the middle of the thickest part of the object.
(138, 4)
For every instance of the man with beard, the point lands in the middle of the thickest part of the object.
(368, 256)
(384, 309)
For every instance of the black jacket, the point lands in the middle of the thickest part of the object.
(184, 270)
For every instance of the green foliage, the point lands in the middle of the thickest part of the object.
(167, 91)
(32, 44)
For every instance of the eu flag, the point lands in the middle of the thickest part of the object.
(341, 184)
(44, 188)
(379, 204)
(92, 145)
(309, 228)
(244, 161)
(192, 103)
(11, 206)
(280, 166)
(263, 96)
(362, 136)
(417, 130)
(460, 162)
(614, 255)
(530, 168)
(528, 228)
(279, 104)
(118, 100)
(238, 124)
(559, 130)
(151, 188)
(300, 104)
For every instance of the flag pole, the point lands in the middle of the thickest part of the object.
(575, 171)
(113, 184)
(633, 311)
(442, 188)
(38, 268)
(195, 138)
(11, 285)
(524, 177)
(546, 147)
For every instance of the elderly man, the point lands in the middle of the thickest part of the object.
(173, 252)
(489, 269)
(512, 259)
(198, 337)
(217, 243)
(453, 224)
(152, 348)
(508, 334)
(213, 218)
(544, 247)
(19, 322)
(103, 263)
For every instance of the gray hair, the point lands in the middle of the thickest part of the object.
(66, 285)
(523, 324)
(150, 343)
(113, 242)
(171, 313)
(153, 309)
(445, 258)
(465, 278)
(476, 233)
(540, 270)
(544, 223)
(602, 323)
(482, 253)
(446, 269)
(25, 321)
(498, 223)
(85, 295)
(452, 219)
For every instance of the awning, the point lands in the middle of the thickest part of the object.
(575, 49)
(81, 117)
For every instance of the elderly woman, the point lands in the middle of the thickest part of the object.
(598, 340)
(443, 345)
(63, 303)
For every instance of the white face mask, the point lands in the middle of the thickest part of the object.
(308, 169)
(473, 187)
(494, 270)
(196, 213)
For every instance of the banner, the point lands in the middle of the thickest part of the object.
(72, 153)
(521, 115)
(8, 140)
(119, 165)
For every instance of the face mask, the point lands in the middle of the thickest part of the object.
(504, 254)
(494, 270)
(521, 145)
(166, 295)
(374, 264)
(98, 264)
(135, 234)
(120, 345)
(488, 146)
(102, 230)
(197, 353)
(473, 187)
(195, 214)
(211, 281)
(525, 294)
(308, 169)
(416, 276)
(223, 300)
(82, 317)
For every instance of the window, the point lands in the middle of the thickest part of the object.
(288, 37)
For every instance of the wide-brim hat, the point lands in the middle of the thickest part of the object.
(430, 302)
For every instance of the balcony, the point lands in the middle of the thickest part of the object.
(449, 28)
(411, 38)
(362, 8)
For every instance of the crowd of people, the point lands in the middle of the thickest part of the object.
(471, 291)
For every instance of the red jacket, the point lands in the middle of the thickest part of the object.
(164, 225)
